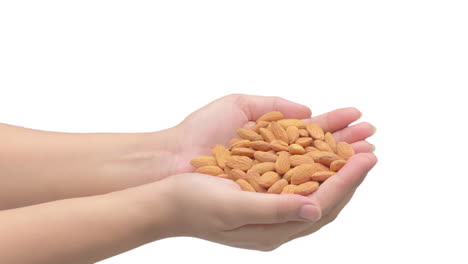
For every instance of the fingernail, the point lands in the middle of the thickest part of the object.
(309, 212)
(375, 129)
(373, 147)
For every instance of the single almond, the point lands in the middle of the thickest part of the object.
(310, 149)
(260, 145)
(279, 132)
(203, 161)
(297, 160)
(224, 175)
(306, 188)
(303, 132)
(303, 172)
(296, 149)
(322, 145)
(259, 125)
(267, 135)
(268, 179)
(283, 152)
(237, 174)
(279, 145)
(244, 143)
(292, 122)
(293, 133)
(322, 175)
(291, 188)
(221, 154)
(330, 141)
(271, 116)
(328, 159)
(344, 150)
(315, 131)
(211, 170)
(245, 186)
(282, 164)
(254, 179)
(239, 162)
(263, 167)
(337, 165)
(263, 156)
(304, 141)
(243, 152)
(234, 141)
(248, 134)
(316, 155)
(278, 186)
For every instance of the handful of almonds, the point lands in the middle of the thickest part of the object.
(277, 155)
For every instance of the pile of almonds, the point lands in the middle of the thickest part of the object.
(277, 155)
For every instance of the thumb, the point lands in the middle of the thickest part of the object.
(261, 208)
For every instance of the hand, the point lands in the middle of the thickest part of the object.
(217, 122)
(218, 210)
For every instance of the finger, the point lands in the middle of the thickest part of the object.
(363, 147)
(313, 227)
(336, 119)
(335, 189)
(255, 106)
(260, 208)
(263, 237)
(355, 133)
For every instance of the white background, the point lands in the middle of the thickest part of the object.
(98, 66)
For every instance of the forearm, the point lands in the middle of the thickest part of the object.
(39, 166)
(82, 230)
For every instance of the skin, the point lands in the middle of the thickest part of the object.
(104, 194)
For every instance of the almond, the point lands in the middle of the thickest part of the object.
(303, 132)
(245, 186)
(303, 172)
(279, 145)
(297, 160)
(254, 178)
(315, 131)
(267, 135)
(248, 134)
(306, 188)
(304, 141)
(234, 141)
(268, 179)
(271, 116)
(328, 159)
(203, 161)
(259, 125)
(337, 165)
(237, 174)
(292, 122)
(322, 175)
(344, 150)
(278, 186)
(239, 162)
(263, 156)
(211, 170)
(296, 149)
(225, 176)
(316, 155)
(322, 145)
(289, 188)
(330, 141)
(310, 149)
(243, 152)
(282, 164)
(221, 154)
(263, 167)
(293, 133)
(260, 145)
(227, 170)
(245, 143)
(279, 132)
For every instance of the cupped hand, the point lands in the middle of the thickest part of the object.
(217, 122)
(217, 210)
